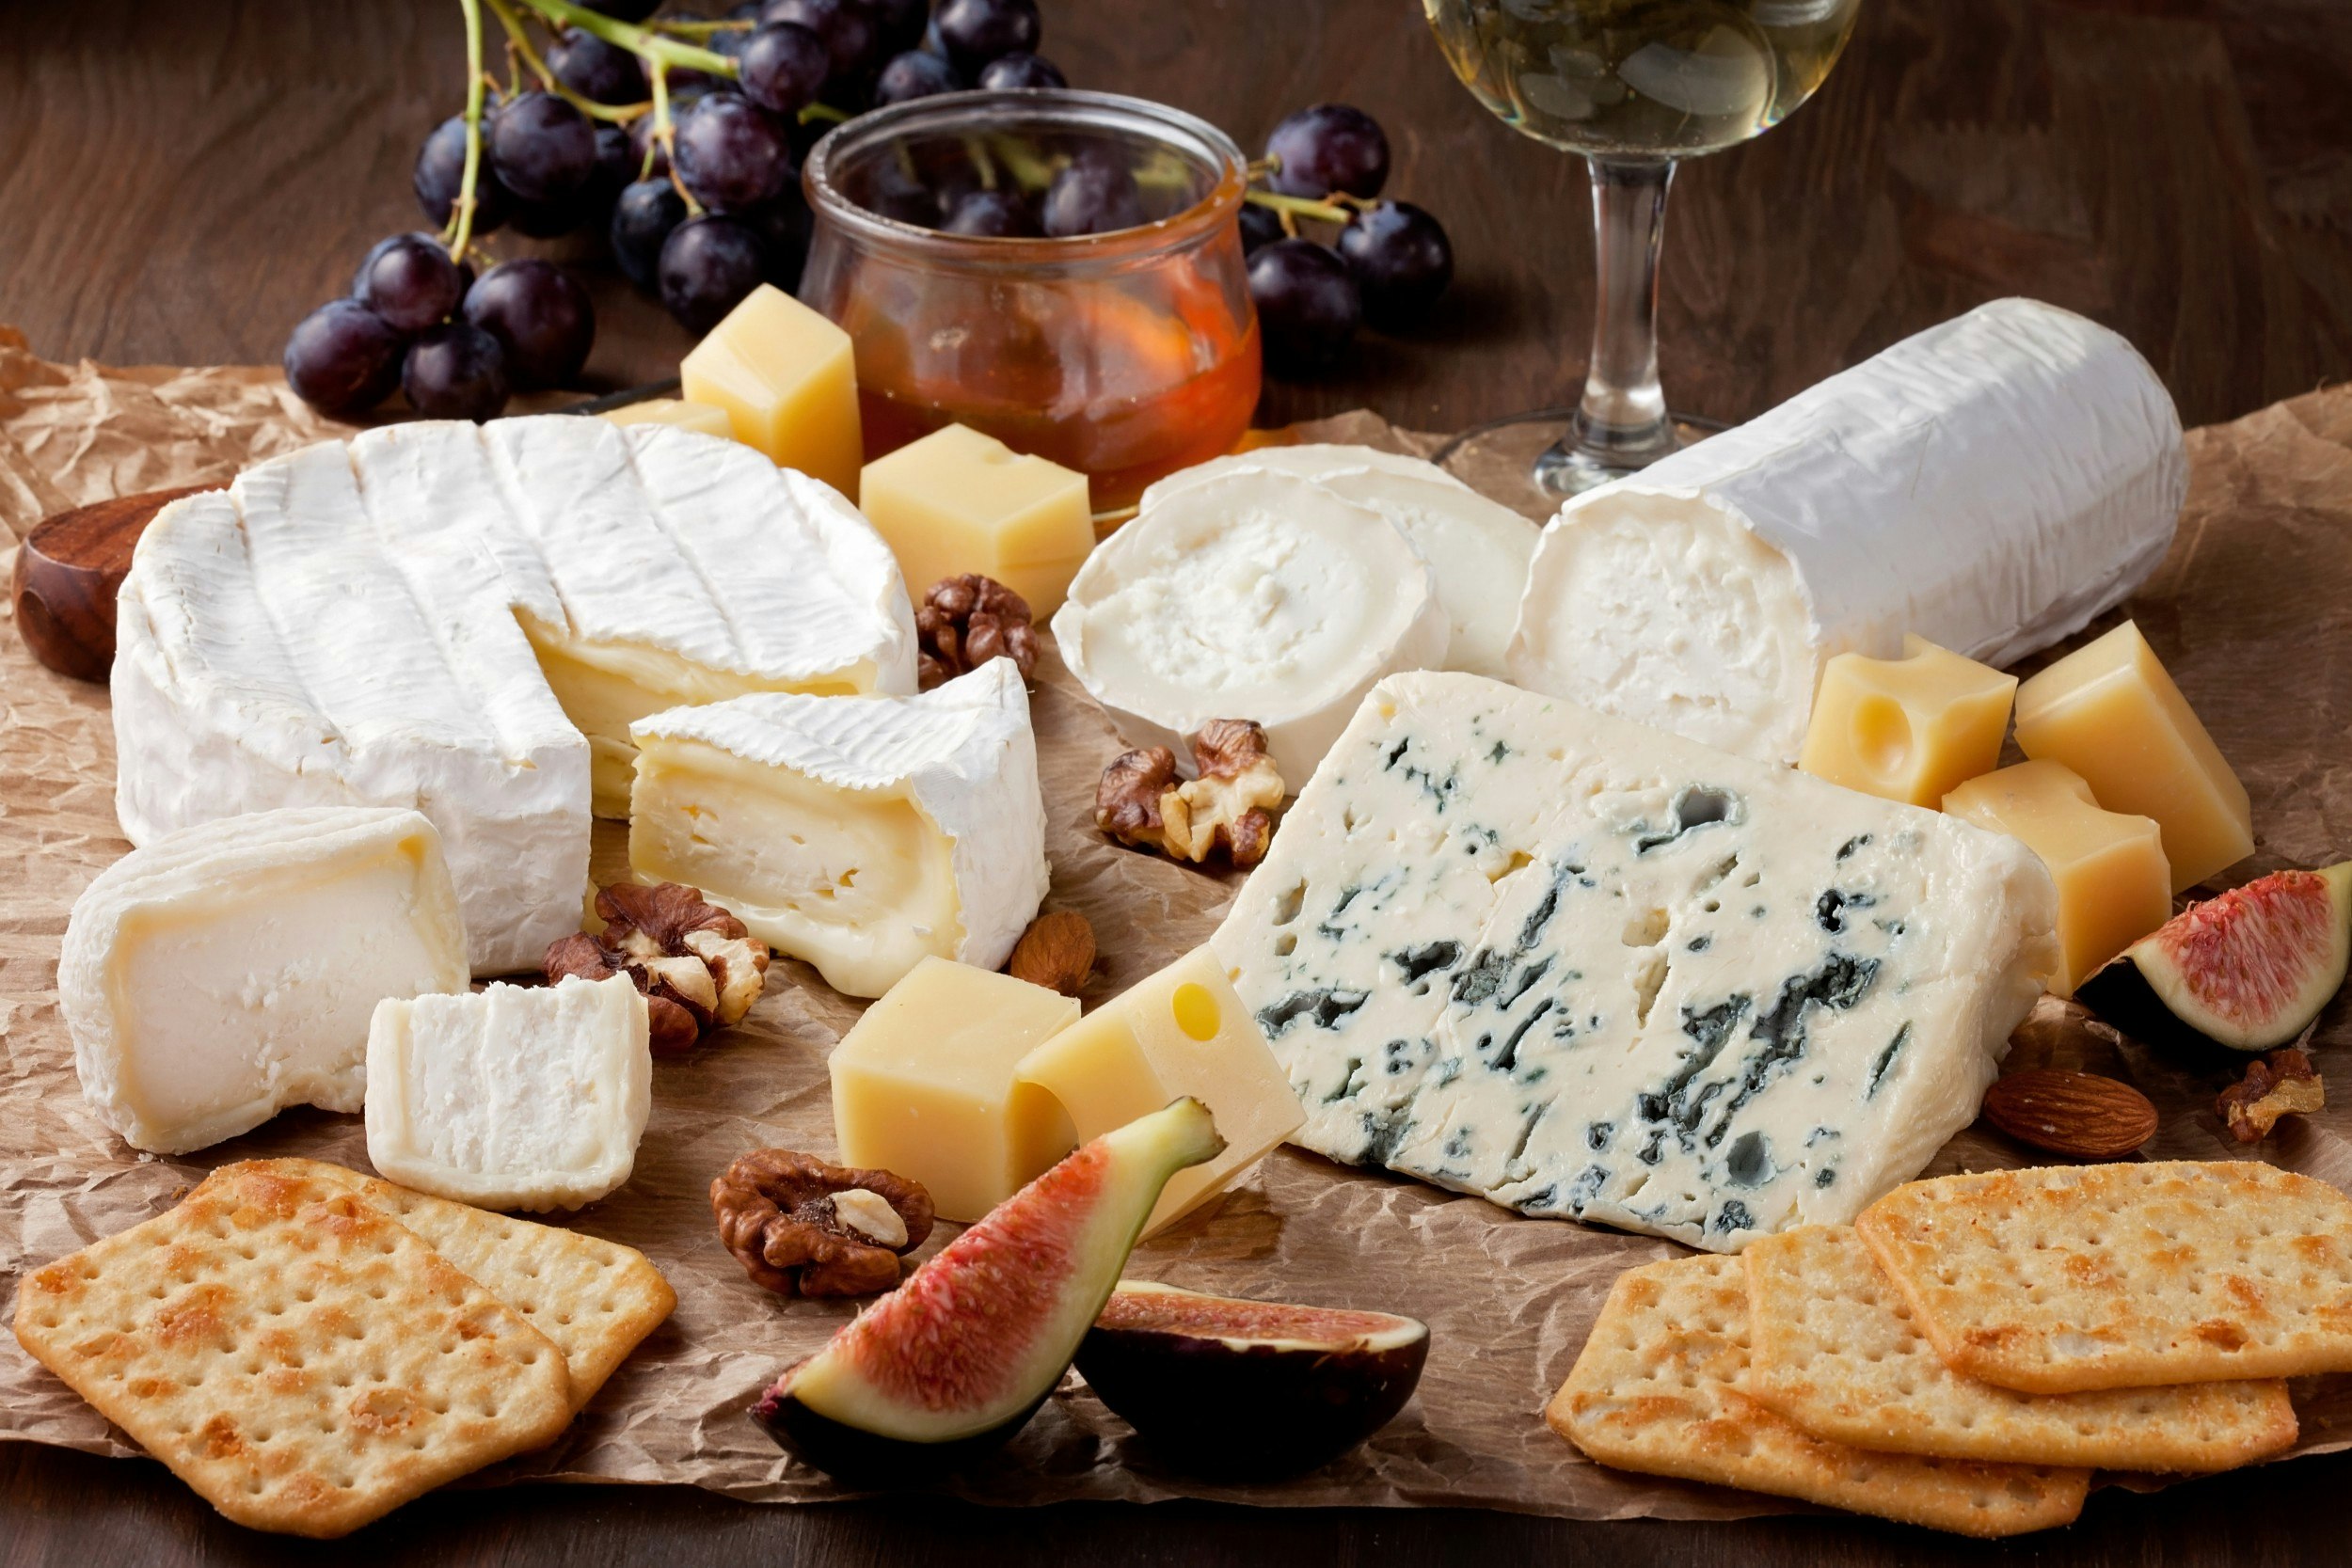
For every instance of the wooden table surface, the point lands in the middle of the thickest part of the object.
(181, 180)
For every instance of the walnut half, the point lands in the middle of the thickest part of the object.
(1232, 803)
(2282, 1084)
(963, 622)
(799, 1226)
(699, 967)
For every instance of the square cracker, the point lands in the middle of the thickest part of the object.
(304, 1362)
(1831, 1347)
(596, 1299)
(2064, 1278)
(1656, 1389)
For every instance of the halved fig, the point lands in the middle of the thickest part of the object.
(1248, 1389)
(2248, 969)
(956, 1359)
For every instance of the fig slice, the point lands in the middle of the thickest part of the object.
(956, 1359)
(1248, 1390)
(2247, 969)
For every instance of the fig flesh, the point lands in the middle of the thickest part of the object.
(956, 1359)
(1248, 1390)
(2247, 969)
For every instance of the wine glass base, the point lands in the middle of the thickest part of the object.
(1524, 461)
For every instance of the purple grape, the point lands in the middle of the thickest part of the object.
(1326, 149)
(852, 32)
(541, 317)
(785, 67)
(455, 372)
(783, 227)
(1401, 259)
(439, 175)
(599, 72)
(997, 214)
(915, 74)
(975, 32)
(894, 193)
(410, 281)
(622, 11)
(901, 23)
(1259, 226)
(707, 265)
(342, 358)
(732, 154)
(543, 149)
(642, 219)
(1091, 197)
(1308, 305)
(1021, 69)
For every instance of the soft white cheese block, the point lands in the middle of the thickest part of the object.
(860, 834)
(513, 1097)
(1477, 548)
(1249, 595)
(215, 976)
(465, 619)
(1990, 484)
(1588, 969)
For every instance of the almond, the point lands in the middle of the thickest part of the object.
(1056, 952)
(2076, 1113)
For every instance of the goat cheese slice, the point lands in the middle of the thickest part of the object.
(512, 1097)
(1990, 484)
(860, 834)
(1587, 969)
(218, 974)
(1478, 550)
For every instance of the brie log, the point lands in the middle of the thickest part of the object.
(1249, 595)
(1990, 484)
(218, 974)
(513, 1097)
(466, 619)
(1477, 548)
(860, 834)
(1587, 969)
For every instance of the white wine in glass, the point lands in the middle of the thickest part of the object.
(1634, 85)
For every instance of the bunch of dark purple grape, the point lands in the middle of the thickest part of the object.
(1385, 269)
(678, 142)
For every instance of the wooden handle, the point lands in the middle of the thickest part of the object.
(67, 572)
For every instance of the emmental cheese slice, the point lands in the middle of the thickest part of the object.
(513, 1097)
(860, 834)
(1585, 968)
(788, 382)
(1991, 484)
(959, 502)
(218, 974)
(1909, 729)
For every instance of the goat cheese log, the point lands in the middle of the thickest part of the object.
(1991, 484)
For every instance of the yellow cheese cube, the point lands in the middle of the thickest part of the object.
(2109, 711)
(1183, 1031)
(2113, 884)
(784, 376)
(924, 1085)
(961, 501)
(1909, 729)
(709, 419)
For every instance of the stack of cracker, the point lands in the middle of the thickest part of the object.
(310, 1348)
(1967, 1351)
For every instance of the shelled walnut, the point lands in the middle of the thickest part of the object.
(698, 965)
(799, 1226)
(1233, 802)
(963, 622)
(2282, 1084)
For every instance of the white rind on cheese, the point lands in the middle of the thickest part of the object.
(220, 973)
(431, 615)
(860, 834)
(1477, 548)
(1588, 969)
(1990, 484)
(510, 1097)
(1250, 595)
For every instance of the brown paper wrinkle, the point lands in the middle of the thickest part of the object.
(2251, 611)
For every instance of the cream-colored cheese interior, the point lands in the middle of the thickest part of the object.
(859, 882)
(267, 987)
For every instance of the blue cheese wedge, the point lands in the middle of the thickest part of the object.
(1588, 969)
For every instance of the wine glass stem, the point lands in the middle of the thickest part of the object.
(1621, 421)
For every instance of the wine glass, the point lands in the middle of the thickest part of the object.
(1634, 86)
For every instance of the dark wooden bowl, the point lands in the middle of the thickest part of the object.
(68, 573)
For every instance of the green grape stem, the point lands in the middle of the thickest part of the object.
(647, 44)
(518, 42)
(461, 221)
(1339, 207)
